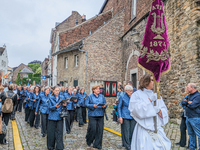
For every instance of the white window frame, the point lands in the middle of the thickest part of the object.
(66, 62)
(76, 60)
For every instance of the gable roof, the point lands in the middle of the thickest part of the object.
(104, 5)
(25, 70)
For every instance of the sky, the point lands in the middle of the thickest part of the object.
(25, 25)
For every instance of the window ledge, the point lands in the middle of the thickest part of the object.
(132, 19)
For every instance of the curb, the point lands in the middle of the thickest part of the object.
(16, 136)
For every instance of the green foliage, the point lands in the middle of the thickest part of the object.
(38, 71)
(34, 66)
(34, 77)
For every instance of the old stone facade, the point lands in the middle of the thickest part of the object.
(17, 70)
(71, 21)
(112, 54)
(71, 62)
(183, 23)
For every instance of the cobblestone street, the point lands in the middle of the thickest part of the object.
(32, 140)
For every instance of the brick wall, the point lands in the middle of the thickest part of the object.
(104, 53)
(70, 22)
(82, 30)
(143, 6)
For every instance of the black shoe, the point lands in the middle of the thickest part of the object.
(43, 135)
(177, 143)
(68, 132)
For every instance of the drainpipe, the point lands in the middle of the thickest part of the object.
(85, 65)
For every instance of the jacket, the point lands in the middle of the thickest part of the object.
(29, 101)
(42, 104)
(93, 99)
(36, 97)
(81, 99)
(54, 113)
(123, 107)
(193, 109)
(70, 105)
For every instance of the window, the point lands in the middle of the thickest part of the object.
(90, 32)
(110, 88)
(66, 62)
(76, 60)
(75, 83)
(25, 76)
(76, 22)
(134, 4)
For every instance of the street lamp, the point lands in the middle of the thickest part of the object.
(29, 80)
(136, 38)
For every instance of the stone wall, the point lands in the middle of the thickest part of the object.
(72, 72)
(143, 7)
(183, 28)
(104, 53)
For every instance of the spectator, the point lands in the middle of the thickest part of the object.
(115, 114)
(131, 84)
(192, 104)
(5, 88)
(102, 89)
(10, 93)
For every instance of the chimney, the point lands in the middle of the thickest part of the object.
(83, 18)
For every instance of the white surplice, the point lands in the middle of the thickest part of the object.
(142, 111)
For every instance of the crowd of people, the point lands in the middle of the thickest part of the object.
(134, 109)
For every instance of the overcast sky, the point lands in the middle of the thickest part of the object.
(25, 25)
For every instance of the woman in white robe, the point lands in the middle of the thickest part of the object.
(142, 109)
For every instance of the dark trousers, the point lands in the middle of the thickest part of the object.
(80, 116)
(37, 120)
(55, 135)
(183, 132)
(84, 114)
(70, 120)
(12, 117)
(6, 118)
(32, 117)
(75, 114)
(27, 113)
(95, 132)
(128, 128)
(44, 123)
(20, 101)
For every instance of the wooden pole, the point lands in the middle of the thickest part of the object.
(158, 97)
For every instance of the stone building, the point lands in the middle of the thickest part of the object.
(110, 54)
(73, 20)
(16, 70)
(44, 71)
(75, 53)
(183, 25)
(3, 64)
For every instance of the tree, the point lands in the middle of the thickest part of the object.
(34, 66)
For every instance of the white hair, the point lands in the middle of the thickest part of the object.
(75, 90)
(128, 87)
(32, 88)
